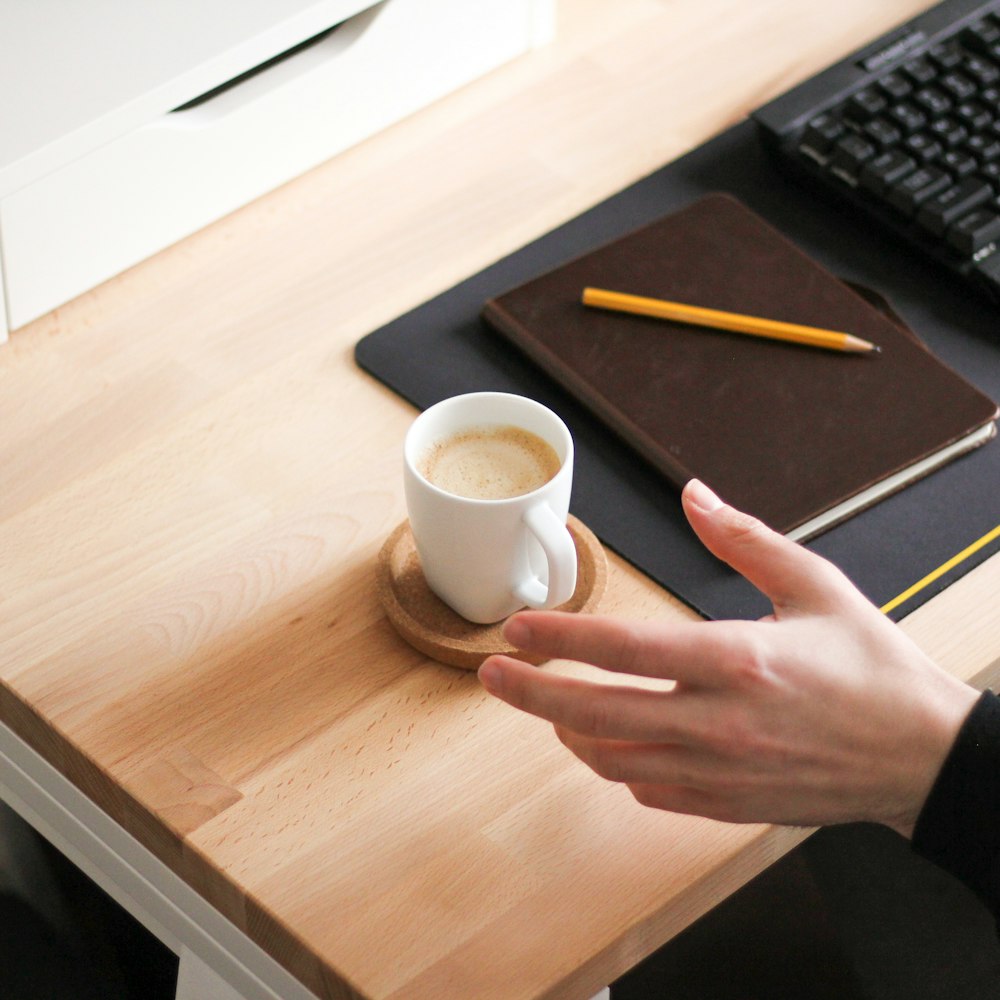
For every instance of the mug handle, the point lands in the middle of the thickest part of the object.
(560, 553)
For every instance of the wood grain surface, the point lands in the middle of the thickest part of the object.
(197, 481)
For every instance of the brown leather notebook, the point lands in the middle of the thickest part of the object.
(800, 436)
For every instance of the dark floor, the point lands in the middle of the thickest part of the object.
(851, 915)
(70, 941)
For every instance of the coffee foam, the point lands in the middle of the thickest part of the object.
(490, 463)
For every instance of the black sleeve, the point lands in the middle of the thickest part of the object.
(959, 825)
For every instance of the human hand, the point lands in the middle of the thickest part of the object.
(824, 712)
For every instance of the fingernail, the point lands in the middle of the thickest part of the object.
(701, 496)
(490, 676)
(517, 631)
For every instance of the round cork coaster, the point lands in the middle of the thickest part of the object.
(428, 624)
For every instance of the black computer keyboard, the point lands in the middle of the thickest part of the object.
(908, 129)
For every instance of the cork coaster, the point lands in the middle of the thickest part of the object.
(428, 624)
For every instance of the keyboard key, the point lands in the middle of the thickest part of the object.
(923, 147)
(895, 86)
(884, 170)
(920, 71)
(865, 104)
(959, 163)
(933, 100)
(908, 116)
(981, 37)
(984, 148)
(946, 55)
(990, 99)
(909, 193)
(822, 132)
(983, 42)
(972, 232)
(983, 71)
(960, 87)
(988, 272)
(939, 212)
(848, 155)
(990, 173)
(974, 116)
(882, 132)
(948, 131)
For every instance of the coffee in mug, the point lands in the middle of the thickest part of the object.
(490, 462)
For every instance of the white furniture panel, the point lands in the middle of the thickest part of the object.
(78, 75)
(109, 209)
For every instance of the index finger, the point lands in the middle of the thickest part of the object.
(600, 711)
(698, 654)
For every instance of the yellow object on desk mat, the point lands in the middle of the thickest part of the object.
(954, 561)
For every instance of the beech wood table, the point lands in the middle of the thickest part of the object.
(202, 702)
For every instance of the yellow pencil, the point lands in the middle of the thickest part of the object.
(832, 340)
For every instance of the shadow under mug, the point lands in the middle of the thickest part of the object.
(489, 558)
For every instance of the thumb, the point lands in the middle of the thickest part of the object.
(790, 575)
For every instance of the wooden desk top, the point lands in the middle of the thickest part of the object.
(197, 479)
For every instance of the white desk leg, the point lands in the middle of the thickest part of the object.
(605, 994)
(196, 981)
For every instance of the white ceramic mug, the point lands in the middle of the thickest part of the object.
(488, 558)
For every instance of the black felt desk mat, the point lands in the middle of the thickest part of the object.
(443, 348)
